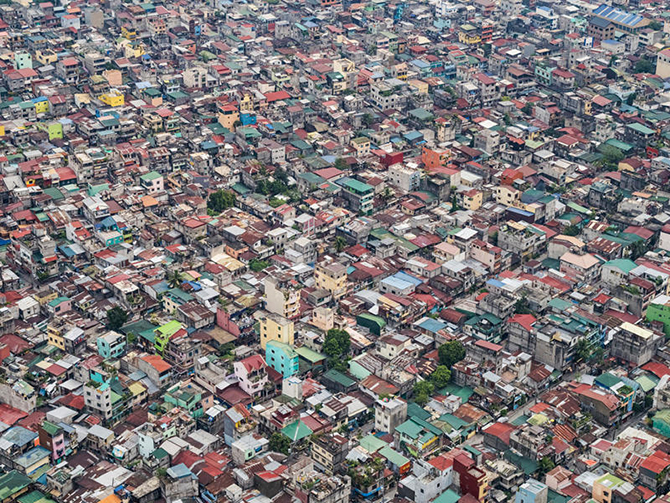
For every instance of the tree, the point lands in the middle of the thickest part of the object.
(175, 279)
(221, 200)
(116, 318)
(422, 392)
(527, 109)
(451, 352)
(340, 244)
(643, 65)
(546, 465)
(522, 306)
(341, 163)
(637, 249)
(258, 265)
(655, 25)
(611, 156)
(631, 99)
(131, 338)
(583, 350)
(571, 230)
(441, 377)
(280, 443)
(337, 343)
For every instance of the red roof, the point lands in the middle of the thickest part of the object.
(157, 362)
(656, 368)
(277, 96)
(10, 415)
(525, 320)
(657, 462)
(488, 345)
(500, 430)
(254, 362)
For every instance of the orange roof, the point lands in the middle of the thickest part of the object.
(148, 201)
(157, 362)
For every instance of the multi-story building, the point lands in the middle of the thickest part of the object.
(276, 328)
(109, 399)
(282, 296)
(359, 195)
(404, 178)
(390, 413)
(329, 452)
(532, 491)
(635, 344)
(332, 276)
(282, 358)
(252, 375)
(111, 345)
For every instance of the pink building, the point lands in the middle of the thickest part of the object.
(253, 375)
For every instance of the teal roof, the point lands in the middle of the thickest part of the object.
(372, 444)
(394, 457)
(339, 377)
(297, 431)
(623, 264)
(448, 496)
(309, 355)
(640, 128)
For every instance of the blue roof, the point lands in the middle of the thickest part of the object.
(432, 325)
(179, 471)
(396, 283)
(618, 16)
(19, 435)
(420, 63)
(408, 277)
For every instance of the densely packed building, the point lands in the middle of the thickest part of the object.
(329, 252)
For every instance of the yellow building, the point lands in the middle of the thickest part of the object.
(604, 487)
(507, 195)
(55, 337)
(362, 145)
(323, 318)
(129, 34)
(419, 86)
(229, 115)
(113, 98)
(472, 200)
(276, 328)
(46, 56)
(42, 107)
(469, 34)
(246, 103)
(331, 276)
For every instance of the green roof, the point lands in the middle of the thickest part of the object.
(57, 301)
(51, 428)
(526, 464)
(152, 175)
(309, 355)
(415, 410)
(448, 496)
(623, 264)
(12, 483)
(339, 377)
(297, 431)
(646, 383)
(35, 497)
(169, 328)
(640, 128)
(394, 457)
(372, 444)
(463, 392)
(607, 380)
(357, 186)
